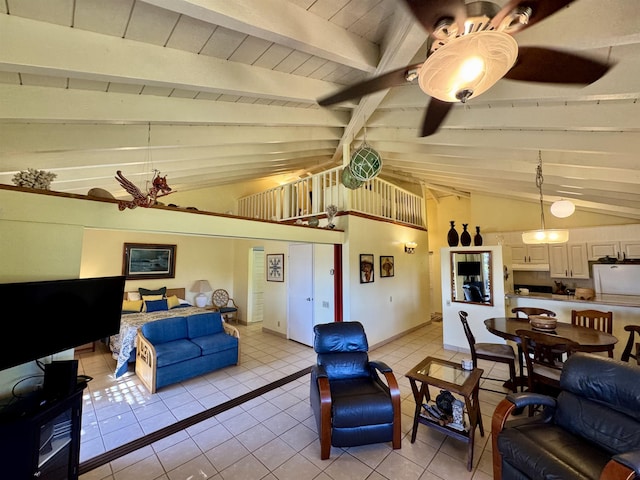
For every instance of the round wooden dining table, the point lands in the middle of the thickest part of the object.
(589, 339)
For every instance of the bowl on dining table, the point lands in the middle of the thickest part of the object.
(543, 322)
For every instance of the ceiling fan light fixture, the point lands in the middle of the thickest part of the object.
(517, 19)
(477, 60)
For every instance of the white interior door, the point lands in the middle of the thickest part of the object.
(300, 294)
(256, 286)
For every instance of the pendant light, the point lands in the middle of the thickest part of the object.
(543, 235)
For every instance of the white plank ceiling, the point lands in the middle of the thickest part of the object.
(214, 92)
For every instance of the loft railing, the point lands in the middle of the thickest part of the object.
(310, 196)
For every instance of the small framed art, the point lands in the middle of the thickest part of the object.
(387, 267)
(366, 268)
(275, 267)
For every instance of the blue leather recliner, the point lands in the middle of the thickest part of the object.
(351, 403)
(590, 431)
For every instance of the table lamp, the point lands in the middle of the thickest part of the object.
(201, 287)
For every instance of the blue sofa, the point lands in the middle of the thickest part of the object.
(178, 348)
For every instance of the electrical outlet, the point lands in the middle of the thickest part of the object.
(278, 323)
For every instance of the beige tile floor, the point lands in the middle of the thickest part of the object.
(273, 436)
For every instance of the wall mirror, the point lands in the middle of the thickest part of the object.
(471, 278)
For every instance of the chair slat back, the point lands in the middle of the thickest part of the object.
(526, 311)
(602, 321)
(545, 355)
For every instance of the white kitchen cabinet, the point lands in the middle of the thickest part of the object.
(532, 254)
(617, 249)
(630, 248)
(568, 260)
(603, 248)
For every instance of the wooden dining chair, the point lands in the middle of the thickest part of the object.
(493, 352)
(545, 355)
(629, 348)
(526, 311)
(602, 321)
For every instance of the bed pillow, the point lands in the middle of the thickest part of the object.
(133, 296)
(173, 301)
(133, 306)
(160, 291)
(150, 298)
(156, 305)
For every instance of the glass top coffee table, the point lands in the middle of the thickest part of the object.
(446, 375)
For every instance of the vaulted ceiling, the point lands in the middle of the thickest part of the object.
(214, 92)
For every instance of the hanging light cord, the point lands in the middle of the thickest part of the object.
(539, 182)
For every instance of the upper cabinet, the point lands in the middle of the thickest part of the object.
(625, 249)
(529, 257)
(630, 249)
(568, 260)
(529, 253)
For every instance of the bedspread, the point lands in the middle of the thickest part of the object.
(122, 345)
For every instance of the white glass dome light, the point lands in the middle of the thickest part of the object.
(562, 208)
(468, 65)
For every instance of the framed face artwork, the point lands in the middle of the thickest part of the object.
(366, 268)
(275, 267)
(387, 267)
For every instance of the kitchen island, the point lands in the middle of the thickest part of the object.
(625, 308)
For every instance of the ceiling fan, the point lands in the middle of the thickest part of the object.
(471, 48)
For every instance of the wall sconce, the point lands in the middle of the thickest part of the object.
(410, 247)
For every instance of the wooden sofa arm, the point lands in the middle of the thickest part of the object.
(394, 391)
(233, 331)
(146, 362)
(625, 466)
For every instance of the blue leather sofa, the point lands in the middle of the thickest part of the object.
(590, 431)
(178, 348)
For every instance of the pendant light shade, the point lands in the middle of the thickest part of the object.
(544, 235)
(562, 208)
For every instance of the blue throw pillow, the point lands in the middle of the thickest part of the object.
(156, 305)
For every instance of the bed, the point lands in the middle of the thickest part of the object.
(123, 344)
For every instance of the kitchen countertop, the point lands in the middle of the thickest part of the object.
(603, 299)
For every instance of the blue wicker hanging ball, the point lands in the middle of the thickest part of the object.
(365, 163)
(349, 181)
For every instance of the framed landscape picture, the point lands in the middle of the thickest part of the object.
(387, 267)
(145, 260)
(275, 267)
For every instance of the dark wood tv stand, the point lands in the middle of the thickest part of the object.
(41, 438)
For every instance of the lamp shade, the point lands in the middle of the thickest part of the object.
(545, 236)
(562, 208)
(468, 65)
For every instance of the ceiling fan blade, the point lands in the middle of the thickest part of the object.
(541, 10)
(434, 116)
(386, 80)
(536, 64)
(428, 13)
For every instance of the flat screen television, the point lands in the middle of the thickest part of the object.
(47, 317)
(468, 269)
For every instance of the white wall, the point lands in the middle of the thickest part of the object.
(390, 305)
(452, 333)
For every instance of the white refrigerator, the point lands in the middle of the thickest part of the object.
(617, 279)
